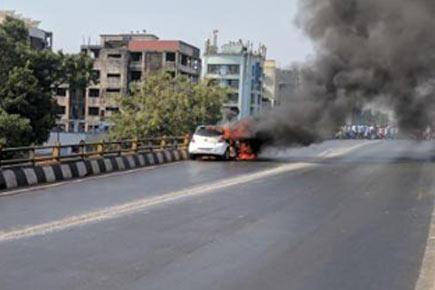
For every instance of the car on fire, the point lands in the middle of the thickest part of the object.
(208, 141)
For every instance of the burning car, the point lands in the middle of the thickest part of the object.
(209, 141)
(230, 141)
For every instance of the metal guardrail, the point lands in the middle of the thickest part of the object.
(34, 155)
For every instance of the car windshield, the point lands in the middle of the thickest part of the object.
(205, 132)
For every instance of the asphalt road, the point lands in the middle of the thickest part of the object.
(339, 215)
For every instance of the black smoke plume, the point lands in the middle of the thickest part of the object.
(367, 52)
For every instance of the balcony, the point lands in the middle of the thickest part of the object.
(188, 69)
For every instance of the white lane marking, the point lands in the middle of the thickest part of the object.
(426, 280)
(130, 208)
(343, 151)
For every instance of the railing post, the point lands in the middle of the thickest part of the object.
(186, 141)
(82, 148)
(119, 148)
(135, 145)
(32, 155)
(163, 143)
(56, 152)
(101, 148)
(1, 154)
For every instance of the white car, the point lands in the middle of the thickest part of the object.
(208, 142)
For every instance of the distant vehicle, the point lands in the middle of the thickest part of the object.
(210, 142)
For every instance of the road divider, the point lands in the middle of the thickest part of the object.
(24, 176)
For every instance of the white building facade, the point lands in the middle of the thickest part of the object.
(239, 68)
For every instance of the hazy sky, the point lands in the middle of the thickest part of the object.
(74, 21)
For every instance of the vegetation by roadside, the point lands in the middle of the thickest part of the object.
(28, 78)
(162, 105)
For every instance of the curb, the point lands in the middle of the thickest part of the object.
(12, 178)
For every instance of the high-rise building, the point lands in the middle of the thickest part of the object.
(121, 59)
(38, 38)
(237, 66)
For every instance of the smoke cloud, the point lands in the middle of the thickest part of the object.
(367, 52)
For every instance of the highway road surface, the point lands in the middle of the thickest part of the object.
(351, 215)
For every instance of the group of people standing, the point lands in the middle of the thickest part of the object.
(367, 132)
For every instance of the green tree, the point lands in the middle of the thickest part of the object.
(13, 128)
(163, 105)
(28, 78)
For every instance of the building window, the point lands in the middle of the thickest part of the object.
(112, 110)
(96, 53)
(94, 111)
(233, 69)
(136, 56)
(113, 90)
(93, 128)
(170, 56)
(136, 76)
(214, 69)
(96, 75)
(114, 76)
(184, 60)
(61, 92)
(114, 56)
(94, 93)
(82, 127)
(233, 84)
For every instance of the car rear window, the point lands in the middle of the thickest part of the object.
(207, 132)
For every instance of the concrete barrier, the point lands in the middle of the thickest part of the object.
(17, 177)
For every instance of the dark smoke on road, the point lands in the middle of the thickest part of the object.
(368, 52)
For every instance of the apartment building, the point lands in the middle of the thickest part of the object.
(280, 84)
(38, 38)
(289, 82)
(271, 83)
(120, 60)
(237, 66)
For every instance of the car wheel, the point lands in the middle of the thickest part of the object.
(227, 155)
